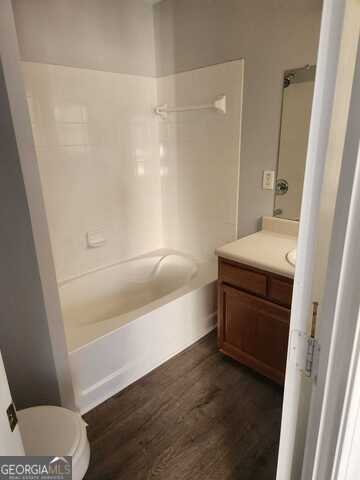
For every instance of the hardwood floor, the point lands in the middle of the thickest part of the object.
(200, 416)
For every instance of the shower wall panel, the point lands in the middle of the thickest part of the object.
(112, 170)
(200, 158)
(98, 151)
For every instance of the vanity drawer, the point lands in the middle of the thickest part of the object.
(280, 290)
(244, 278)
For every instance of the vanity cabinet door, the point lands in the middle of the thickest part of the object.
(254, 331)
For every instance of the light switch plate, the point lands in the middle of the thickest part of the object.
(268, 180)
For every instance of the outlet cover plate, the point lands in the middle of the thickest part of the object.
(268, 180)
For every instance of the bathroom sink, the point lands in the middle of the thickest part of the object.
(291, 257)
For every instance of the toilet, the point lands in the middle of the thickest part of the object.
(56, 431)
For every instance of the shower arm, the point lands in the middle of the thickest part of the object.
(219, 104)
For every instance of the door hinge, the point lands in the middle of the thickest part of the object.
(312, 345)
(305, 352)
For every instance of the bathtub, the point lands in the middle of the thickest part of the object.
(124, 320)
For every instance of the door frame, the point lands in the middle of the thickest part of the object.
(346, 464)
(291, 458)
(336, 396)
(10, 437)
(10, 59)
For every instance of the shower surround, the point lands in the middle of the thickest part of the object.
(96, 140)
(144, 189)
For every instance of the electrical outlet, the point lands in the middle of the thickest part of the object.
(268, 180)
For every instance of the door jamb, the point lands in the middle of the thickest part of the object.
(290, 457)
(330, 405)
(10, 59)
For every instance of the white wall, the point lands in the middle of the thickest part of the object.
(108, 35)
(200, 153)
(98, 152)
(271, 36)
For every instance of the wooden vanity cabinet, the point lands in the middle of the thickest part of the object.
(253, 317)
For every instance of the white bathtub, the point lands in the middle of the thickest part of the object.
(124, 320)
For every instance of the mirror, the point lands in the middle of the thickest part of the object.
(298, 88)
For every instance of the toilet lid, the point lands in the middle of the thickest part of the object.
(50, 431)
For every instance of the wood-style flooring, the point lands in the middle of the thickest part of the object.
(200, 416)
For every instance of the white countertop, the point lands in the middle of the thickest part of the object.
(265, 250)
